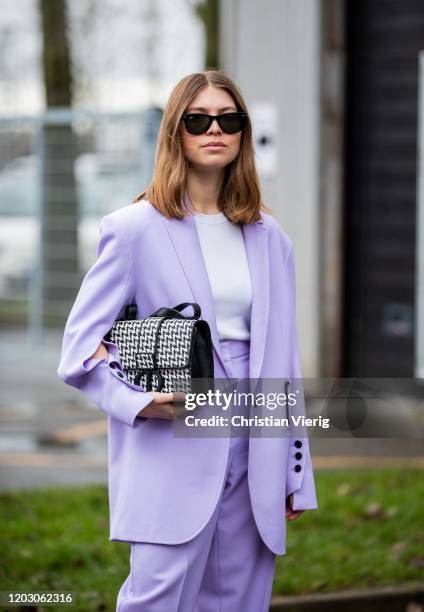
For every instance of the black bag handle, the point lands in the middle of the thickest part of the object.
(176, 311)
(131, 311)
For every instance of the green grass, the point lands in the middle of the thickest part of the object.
(57, 539)
(342, 545)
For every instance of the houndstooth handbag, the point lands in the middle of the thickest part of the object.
(164, 351)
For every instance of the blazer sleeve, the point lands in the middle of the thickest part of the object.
(301, 484)
(106, 288)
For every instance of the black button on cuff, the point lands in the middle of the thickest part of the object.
(113, 365)
(297, 468)
(120, 375)
(298, 455)
(298, 443)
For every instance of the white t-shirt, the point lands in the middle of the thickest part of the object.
(224, 252)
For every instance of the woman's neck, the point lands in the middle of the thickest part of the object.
(203, 190)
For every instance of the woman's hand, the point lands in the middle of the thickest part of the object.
(164, 406)
(291, 514)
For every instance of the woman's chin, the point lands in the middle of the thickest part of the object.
(212, 166)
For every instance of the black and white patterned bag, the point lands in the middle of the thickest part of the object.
(166, 350)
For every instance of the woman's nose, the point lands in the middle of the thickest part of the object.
(214, 126)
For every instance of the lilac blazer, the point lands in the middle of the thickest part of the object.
(163, 488)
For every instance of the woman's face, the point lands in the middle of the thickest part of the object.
(213, 101)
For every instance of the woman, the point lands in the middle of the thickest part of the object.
(205, 516)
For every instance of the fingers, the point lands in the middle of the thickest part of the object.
(163, 398)
(178, 397)
(160, 411)
(165, 411)
(291, 516)
(166, 405)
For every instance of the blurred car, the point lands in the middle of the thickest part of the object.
(104, 183)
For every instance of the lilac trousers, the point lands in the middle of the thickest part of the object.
(226, 567)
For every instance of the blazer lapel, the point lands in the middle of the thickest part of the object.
(256, 242)
(184, 236)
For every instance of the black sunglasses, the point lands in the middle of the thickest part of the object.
(199, 123)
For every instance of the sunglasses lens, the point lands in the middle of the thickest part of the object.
(196, 124)
(232, 123)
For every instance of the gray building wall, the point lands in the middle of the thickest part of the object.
(272, 50)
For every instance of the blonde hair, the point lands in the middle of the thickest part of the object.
(240, 195)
